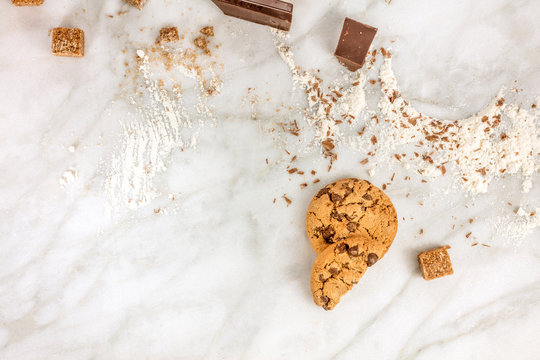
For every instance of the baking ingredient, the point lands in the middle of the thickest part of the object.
(500, 140)
(274, 13)
(163, 123)
(327, 109)
(435, 263)
(67, 42)
(354, 44)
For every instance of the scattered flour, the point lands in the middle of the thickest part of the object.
(516, 227)
(68, 177)
(147, 141)
(502, 139)
(162, 126)
(327, 109)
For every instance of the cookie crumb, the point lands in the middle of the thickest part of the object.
(67, 42)
(435, 263)
(202, 43)
(139, 4)
(207, 30)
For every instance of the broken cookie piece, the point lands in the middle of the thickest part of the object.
(139, 4)
(207, 30)
(168, 34)
(202, 43)
(27, 2)
(68, 42)
(347, 207)
(340, 266)
(435, 263)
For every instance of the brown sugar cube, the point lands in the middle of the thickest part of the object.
(139, 4)
(68, 42)
(207, 30)
(354, 43)
(27, 2)
(435, 263)
(168, 34)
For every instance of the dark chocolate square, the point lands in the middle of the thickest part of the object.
(354, 43)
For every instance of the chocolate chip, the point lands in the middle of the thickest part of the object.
(334, 214)
(372, 259)
(354, 251)
(334, 271)
(321, 278)
(351, 227)
(328, 234)
(349, 218)
(322, 192)
(336, 198)
(367, 197)
(341, 248)
(325, 299)
(348, 191)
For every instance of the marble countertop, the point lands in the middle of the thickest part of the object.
(197, 255)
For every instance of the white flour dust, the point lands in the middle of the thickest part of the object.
(502, 139)
(328, 110)
(515, 227)
(163, 123)
(68, 177)
(147, 141)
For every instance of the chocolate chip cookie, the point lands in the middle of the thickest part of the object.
(340, 266)
(344, 208)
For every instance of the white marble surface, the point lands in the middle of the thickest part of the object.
(224, 272)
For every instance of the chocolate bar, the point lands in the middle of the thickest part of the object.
(354, 43)
(274, 13)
